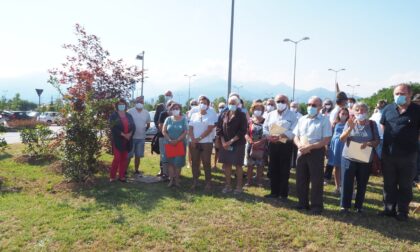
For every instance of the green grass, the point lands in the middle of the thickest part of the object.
(35, 216)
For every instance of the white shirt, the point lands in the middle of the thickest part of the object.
(140, 120)
(333, 114)
(298, 115)
(377, 118)
(287, 119)
(314, 129)
(200, 123)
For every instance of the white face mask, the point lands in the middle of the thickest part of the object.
(269, 108)
(361, 117)
(203, 106)
(293, 109)
(281, 106)
(240, 105)
(167, 98)
(343, 118)
(328, 106)
(139, 105)
(257, 113)
(175, 112)
(350, 105)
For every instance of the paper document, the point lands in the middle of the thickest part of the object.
(354, 151)
(276, 130)
(304, 140)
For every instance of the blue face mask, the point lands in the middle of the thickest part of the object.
(312, 111)
(232, 107)
(400, 99)
(121, 107)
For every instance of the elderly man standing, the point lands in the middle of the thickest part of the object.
(401, 122)
(280, 146)
(312, 134)
(142, 120)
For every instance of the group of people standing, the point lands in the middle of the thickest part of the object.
(274, 132)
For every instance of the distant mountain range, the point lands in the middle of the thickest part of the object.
(213, 87)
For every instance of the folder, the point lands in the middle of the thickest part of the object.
(177, 150)
(355, 152)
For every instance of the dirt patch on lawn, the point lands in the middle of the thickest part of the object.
(57, 167)
(34, 160)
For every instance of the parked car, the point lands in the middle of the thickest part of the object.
(16, 115)
(50, 117)
(151, 132)
(33, 114)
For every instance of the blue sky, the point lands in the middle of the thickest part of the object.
(376, 41)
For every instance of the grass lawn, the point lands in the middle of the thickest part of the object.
(35, 216)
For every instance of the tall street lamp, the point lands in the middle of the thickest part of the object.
(238, 87)
(231, 48)
(140, 56)
(189, 84)
(353, 86)
(336, 71)
(294, 69)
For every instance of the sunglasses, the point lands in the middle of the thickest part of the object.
(281, 101)
(312, 105)
(221, 107)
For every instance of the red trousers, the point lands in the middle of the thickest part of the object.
(119, 163)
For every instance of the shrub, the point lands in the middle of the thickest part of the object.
(3, 144)
(81, 146)
(36, 141)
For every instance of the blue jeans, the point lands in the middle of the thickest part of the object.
(349, 171)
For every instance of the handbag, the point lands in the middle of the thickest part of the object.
(176, 150)
(376, 168)
(155, 144)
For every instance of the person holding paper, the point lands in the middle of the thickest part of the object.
(175, 129)
(278, 129)
(312, 134)
(401, 122)
(360, 136)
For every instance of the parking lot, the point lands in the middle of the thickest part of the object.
(14, 137)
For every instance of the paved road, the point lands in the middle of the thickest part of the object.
(14, 137)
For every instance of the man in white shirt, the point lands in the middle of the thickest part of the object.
(294, 107)
(271, 106)
(280, 147)
(312, 134)
(142, 121)
(341, 102)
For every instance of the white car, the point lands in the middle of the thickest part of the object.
(50, 117)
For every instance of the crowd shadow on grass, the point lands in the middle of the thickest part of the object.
(146, 197)
(5, 155)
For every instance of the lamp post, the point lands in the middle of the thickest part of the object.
(238, 87)
(294, 69)
(353, 86)
(140, 56)
(189, 84)
(336, 71)
(231, 48)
